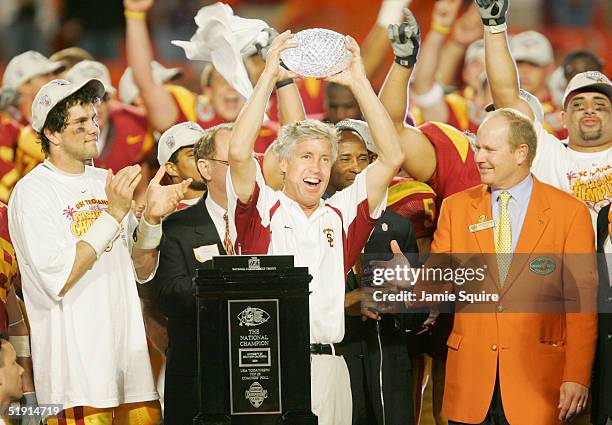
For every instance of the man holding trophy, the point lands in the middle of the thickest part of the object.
(326, 236)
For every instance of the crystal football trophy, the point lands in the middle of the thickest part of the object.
(320, 53)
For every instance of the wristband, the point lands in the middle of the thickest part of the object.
(441, 29)
(429, 99)
(148, 236)
(407, 61)
(102, 233)
(496, 29)
(21, 344)
(284, 83)
(135, 15)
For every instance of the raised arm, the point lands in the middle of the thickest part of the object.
(419, 154)
(375, 47)
(405, 40)
(290, 105)
(424, 85)
(161, 108)
(501, 69)
(466, 30)
(384, 134)
(248, 123)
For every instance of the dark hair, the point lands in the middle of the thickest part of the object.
(174, 157)
(57, 118)
(580, 54)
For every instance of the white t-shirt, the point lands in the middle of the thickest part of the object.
(89, 347)
(587, 176)
(328, 242)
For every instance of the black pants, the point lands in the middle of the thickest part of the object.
(495, 415)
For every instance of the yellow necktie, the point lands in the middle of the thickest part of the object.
(503, 238)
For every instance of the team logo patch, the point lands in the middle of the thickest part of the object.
(329, 233)
(253, 316)
(256, 394)
(45, 101)
(597, 76)
(542, 266)
(193, 126)
(170, 143)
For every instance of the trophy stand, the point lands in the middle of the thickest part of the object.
(253, 342)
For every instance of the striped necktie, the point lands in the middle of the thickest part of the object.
(227, 240)
(503, 238)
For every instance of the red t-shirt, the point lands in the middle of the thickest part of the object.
(9, 135)
(129, 140)
(415, 201)
(8, 266)
(456, 168)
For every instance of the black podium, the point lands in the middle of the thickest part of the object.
(253, 342)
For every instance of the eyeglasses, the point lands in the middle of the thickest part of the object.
(218, 160)
(225, 162)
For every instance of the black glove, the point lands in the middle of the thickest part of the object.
(493, 13)
(405, 40)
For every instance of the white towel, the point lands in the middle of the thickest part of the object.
(222, 38)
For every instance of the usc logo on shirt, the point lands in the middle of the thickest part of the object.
(329, 233)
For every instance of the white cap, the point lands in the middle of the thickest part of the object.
(54, 92)
(476, 50)
(86, 70)
(178, 136)
(532, 47)
(360, 128)
(128, 90)
(22, 68)
(588, 81)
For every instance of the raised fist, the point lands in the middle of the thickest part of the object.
(405, 40)
(493, 12)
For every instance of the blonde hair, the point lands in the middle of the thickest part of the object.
(520, 131)
(309, 129)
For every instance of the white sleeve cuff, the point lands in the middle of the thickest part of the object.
(102, 233)
(148, 236)
(429, 99)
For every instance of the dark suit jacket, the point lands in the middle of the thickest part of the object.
(362, 346)
(602, 383)
(173, 292)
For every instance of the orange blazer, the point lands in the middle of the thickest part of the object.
(535, 351)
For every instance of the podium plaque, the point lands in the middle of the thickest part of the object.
(255, 382)
(253, 342)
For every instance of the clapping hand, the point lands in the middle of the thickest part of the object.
(162, 200)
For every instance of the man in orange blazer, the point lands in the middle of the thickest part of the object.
(517, 363)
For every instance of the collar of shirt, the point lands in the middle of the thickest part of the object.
(50, 166)
(213, 208)
(517, 206)
(216, 213)
(521, 193)
(297, 211)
